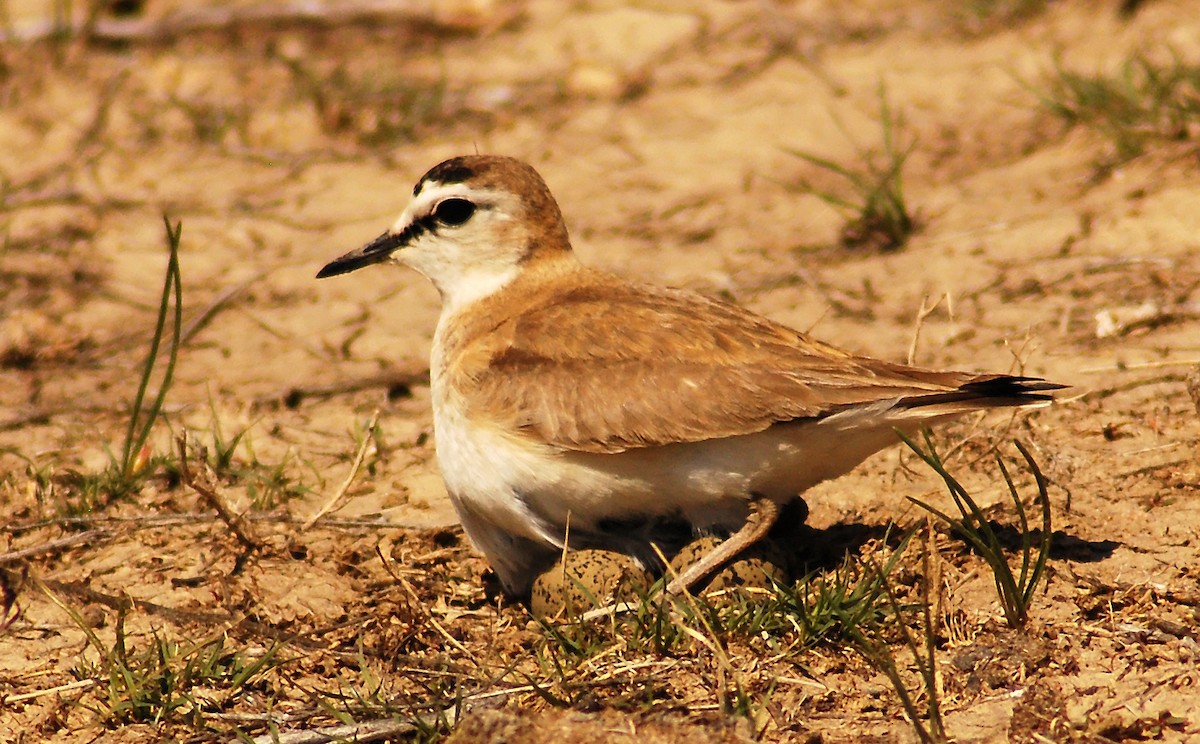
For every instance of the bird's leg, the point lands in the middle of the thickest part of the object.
(763, 513)
(792, 518)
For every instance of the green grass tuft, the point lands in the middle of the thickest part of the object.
(1142, 104)
(1016, 591)
(981, 16)
(164, 680)
(878, 216)
(142, 418)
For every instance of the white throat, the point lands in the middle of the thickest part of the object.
(474, 285)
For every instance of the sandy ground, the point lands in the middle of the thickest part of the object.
(668, 132)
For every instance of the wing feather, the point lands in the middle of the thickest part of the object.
(606, 366)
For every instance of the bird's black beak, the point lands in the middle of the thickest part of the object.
(371, 253)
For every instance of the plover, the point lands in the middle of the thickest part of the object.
(576, 408)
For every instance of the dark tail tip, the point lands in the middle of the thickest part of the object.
(992, 390)
(1009, 386)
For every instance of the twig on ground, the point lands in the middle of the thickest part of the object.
(1125, 387)
(1108, 369)
(214, 499)
(77, 685)
(1193, 386)
(152, 521)
(358, 732)
(393, 379)
(384, 728)
(56, 545)
(368, 438)
(457, 18)
(1145, 469)
(85, 149)
(299, 340)
(923, 313)
(10, 611)
(35, 195)
(1119, 321)
(36, 416)
(239, 626)
(217, 305)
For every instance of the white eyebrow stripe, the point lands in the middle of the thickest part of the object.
(434, 192)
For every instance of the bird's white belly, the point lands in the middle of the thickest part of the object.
(520, 501)
(521, 487)
(535, 491)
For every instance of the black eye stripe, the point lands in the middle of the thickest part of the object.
(415, 229)
(428, 224)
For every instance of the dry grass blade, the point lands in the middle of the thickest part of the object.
(53, 546)
(930, 729)
(877, 213)
(368, 438)
(357, 732)
(201, 486)
(82, 684)
(222, 301)
(396, 382)
(193, 20)
(10, 611)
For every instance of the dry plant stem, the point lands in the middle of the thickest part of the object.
(152, 521)
(1144, 469)
(34, 194)
(877, 653)
(196, 20)
(713, 642)
(1108, 392)
(1109, 369)
(241, 627)
(54, 546)
(612, 610)
(763, 513)
(378, 730)
(228, 516)
(922, 314)
(36, 416)
(1193, 387)
(354, 467)
(934, 587)
(416, 602)
(417, 375)
(931, 616)
(1121, 321)
(77, 685)
(842, 303)
(220, 303)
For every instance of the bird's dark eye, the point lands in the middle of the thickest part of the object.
(453, 212)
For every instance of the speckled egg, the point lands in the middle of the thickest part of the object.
(587, 579)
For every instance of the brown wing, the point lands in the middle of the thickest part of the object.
(610, 366)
